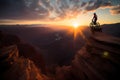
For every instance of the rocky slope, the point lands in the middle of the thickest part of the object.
(15, 65)
(99, 59)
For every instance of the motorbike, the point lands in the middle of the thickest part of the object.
(95, 27)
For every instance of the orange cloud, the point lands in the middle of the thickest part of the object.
(115, 10)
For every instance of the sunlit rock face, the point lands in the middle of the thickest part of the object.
(29, 51)
(14, 65)
(8, 56)
(99, 59)
(24, 69)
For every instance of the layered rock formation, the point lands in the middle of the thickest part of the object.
(99, 59)
(15, 65)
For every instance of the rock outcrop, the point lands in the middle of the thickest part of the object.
(99, 59)
(17, 66)
(13, 67)
(8, 56)
(29, 51)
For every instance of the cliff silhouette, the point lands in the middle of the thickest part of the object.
(98, 59)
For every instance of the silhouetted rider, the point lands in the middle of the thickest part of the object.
(94, 19)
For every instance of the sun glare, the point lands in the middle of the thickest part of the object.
(75, 25)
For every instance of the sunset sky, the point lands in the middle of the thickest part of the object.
(58, 12)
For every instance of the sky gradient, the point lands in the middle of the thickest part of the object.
(59, 12)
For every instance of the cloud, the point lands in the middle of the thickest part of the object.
(115, 10)
(48, 9)
(11, 7)
(22, 9)
(93, 5)
(47, 4)
(106, 4)
(83, 4)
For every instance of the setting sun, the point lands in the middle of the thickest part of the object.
(75, 25)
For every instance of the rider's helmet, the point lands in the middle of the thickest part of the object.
(94, 13)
